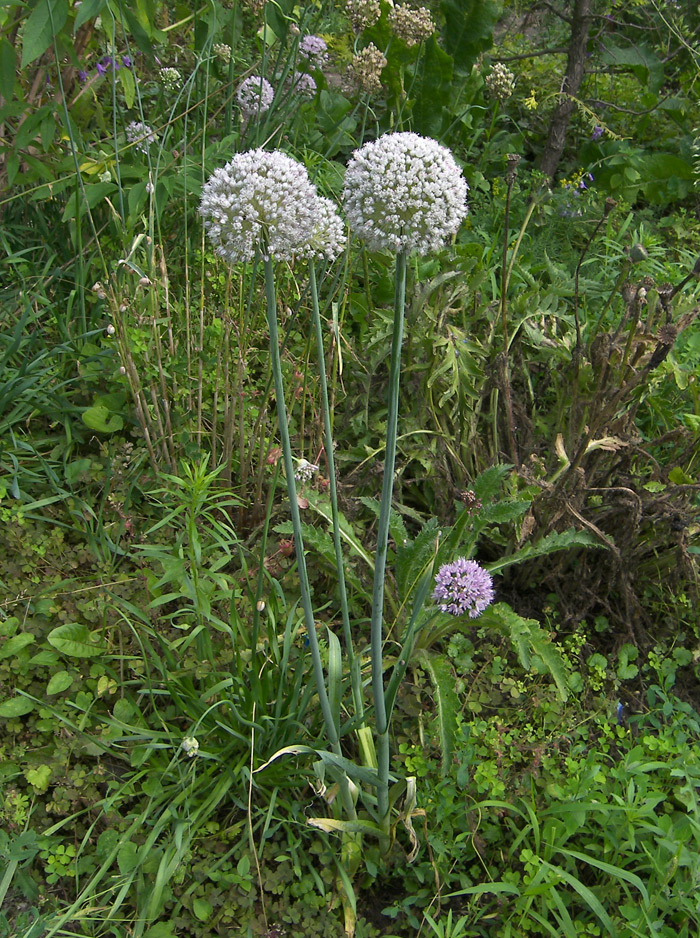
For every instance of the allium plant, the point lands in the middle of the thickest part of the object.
(259, 200)
(255, 95)
(303, 84)
(140, 135)
(264, 202)
(404, 192)
(366, 69)
(500, 82)
(463, 587)
(411, 25)
(362, 13)
(315, 50)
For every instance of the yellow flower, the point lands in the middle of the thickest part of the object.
(531, 102)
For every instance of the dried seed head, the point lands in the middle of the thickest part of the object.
(411, 25)
(362, 13)
(500, 82)
(366, 69)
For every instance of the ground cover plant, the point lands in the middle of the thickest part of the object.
(349, 469)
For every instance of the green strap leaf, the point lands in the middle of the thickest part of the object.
(46, 19)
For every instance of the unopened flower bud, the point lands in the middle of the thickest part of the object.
(500, 82)
(110, 329)
(638, 253)
(190, 745)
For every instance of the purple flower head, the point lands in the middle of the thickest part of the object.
(82, 76)
(314, 50)
(597, 132)
(463, 586)
(126, 61)
(303, 84)
(101, 69)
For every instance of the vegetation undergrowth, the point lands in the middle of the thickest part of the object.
(349, 469)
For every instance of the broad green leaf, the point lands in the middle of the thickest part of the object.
(16, 707)
(59, 682)
(483, 888)
(202, 909)
(468, 29)
(45, 21)
(74, 639)
(8, 69)
(435, 90)
(126, 79)
(614, 872)
(87, 10)
(99, 418)
(127, 857)
(15, 644)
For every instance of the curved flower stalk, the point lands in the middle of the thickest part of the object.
(403, 193)
(263, 201)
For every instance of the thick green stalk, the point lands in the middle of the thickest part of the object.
(330, 723)
(353, 661)
(377, 647)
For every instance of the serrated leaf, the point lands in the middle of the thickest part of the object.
(444, 682)
(413, 557)
(46, 20)
(74, 639)
(557, 540)
(527, 639)
(487, 485)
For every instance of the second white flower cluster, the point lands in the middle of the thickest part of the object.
(403, 192)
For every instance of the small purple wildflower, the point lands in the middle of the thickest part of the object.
(463, 586)
(101, 69)
(597, 132)
(126, 61)
(82, 76)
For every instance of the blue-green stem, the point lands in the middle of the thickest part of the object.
(331, 728)
(377, 645)
(353, 660)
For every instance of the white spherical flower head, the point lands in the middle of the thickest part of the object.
(328, 235)
(259, 199)
(404, 192)
(255, 95)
